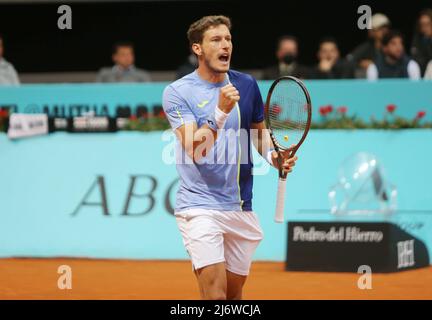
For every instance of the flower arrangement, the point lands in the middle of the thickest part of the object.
(337, 118)
(147, 122)
(331, 118)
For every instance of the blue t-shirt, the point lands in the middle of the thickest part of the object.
(222, 180)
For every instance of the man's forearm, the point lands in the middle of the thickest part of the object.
(198, 142)
(263, 142)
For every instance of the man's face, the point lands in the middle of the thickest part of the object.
(425, 24)
(395, 48)
(124, 57)
(287, 47)
(328, 51)
(216, 48)
(379, 33)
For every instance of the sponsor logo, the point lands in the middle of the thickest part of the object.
(405, 254)
(26, 125)
(341, 234)
(202, 104)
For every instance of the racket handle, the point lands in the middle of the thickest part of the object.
(280, 201)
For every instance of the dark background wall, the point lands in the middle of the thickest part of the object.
(35, 44)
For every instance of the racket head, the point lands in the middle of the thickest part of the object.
(288, 113)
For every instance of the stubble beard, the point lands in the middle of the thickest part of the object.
(213, 69)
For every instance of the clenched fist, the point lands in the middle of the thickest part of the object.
(228, 97)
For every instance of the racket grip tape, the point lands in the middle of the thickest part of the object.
(280, 201)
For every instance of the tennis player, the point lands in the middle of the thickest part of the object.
(214, 201)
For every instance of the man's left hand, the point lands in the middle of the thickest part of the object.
(287, 162)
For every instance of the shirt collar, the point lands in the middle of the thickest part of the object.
(287, 67)
(4, 63)
(117, 68)
(211, 84)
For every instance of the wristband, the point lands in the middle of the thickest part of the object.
(217, 119)
(220, 117)
(269, 157)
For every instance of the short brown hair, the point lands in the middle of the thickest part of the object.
(390, 36)
(196, 30)
(122, 44)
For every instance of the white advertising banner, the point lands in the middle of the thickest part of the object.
(26, 125)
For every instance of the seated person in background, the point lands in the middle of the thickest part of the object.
(124, 69)
(8, 74)
(286, 54)
(428, 73)
(421, 47)
(188, 67)
(392, 62)
(330, 66)
(364, 54)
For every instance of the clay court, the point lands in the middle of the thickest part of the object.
(132, 279)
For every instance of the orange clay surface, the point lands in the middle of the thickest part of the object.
(132, 279)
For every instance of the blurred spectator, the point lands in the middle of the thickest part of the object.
(188, 67)
(421, 47)
(8, 74)
(392, 62)
(286, 54)
(428, 73)
(124, 69)
(330, 65)
(364, 54)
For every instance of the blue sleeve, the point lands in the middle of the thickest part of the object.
(258, 106)
(176, 109)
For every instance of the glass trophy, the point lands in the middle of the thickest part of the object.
(361, 188)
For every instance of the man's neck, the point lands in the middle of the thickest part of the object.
(377, 43)
(390, 60)
(209, 75)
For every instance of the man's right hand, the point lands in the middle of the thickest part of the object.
(228, 97)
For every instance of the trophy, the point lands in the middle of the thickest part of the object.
(361, 188)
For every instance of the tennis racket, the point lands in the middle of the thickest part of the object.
(288, 115)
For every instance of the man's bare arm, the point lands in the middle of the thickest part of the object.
(198, 141)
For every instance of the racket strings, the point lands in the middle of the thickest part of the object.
(288, 113)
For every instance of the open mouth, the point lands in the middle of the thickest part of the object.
(224, 57)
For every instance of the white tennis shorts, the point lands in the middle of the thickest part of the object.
(213, 236)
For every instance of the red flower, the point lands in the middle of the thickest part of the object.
(342, 109)
(3, 113)
(323, 111)
(133, 117)
(420, 114)
(326, 109)
(391, 108)
(161, 115)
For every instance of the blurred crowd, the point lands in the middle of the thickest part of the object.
(384, 54)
